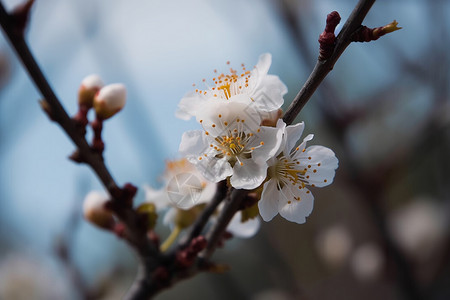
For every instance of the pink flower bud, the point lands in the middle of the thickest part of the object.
(90, 85)
(94, 210)
(110, 100)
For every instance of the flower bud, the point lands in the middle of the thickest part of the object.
(94, 210)
(110, 100)
(90, 85)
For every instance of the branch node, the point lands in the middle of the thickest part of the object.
(97, 142)
(47, 108)
(80, 118)
(366, 34)
(327, 39)
(20, 16)
(77, 157)
(186, 257)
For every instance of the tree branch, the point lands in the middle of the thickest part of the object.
(322, 68)
(204, 217)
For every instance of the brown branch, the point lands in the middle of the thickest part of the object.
(323, 67)
(216, 233)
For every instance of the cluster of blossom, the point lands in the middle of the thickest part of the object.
(245, 142)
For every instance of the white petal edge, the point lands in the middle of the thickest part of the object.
(268, 205)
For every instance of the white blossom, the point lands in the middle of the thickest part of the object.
(265, 91)
(232, 143)
(290, 170)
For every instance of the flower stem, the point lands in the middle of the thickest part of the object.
(170, 239)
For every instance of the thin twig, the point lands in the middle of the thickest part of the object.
(227, 213)
(322, 68)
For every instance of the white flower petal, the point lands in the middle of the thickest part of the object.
(320, 163)
(214, 169)
(219, 117)
(269, 95)
(292, 135)
(271, 138)
(189, 105)
(249, 175)
(263, 65)
(296, 210)
(268, 205)
(243, 230)
(193, 144)
(158, 197)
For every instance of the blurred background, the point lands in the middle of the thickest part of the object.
(380, 231)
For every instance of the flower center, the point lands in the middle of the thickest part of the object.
(228, 85)
(234, 145)
(286, 171)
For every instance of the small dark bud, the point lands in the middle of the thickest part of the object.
(76, 157)
(45, 106)
(21, 15)
(198, 244)
(128, 193)
(327, 38)
(129, 190)
(184, 258)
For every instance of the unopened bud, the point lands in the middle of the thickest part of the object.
(110, 100)
(95, 211)
(90, 85)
